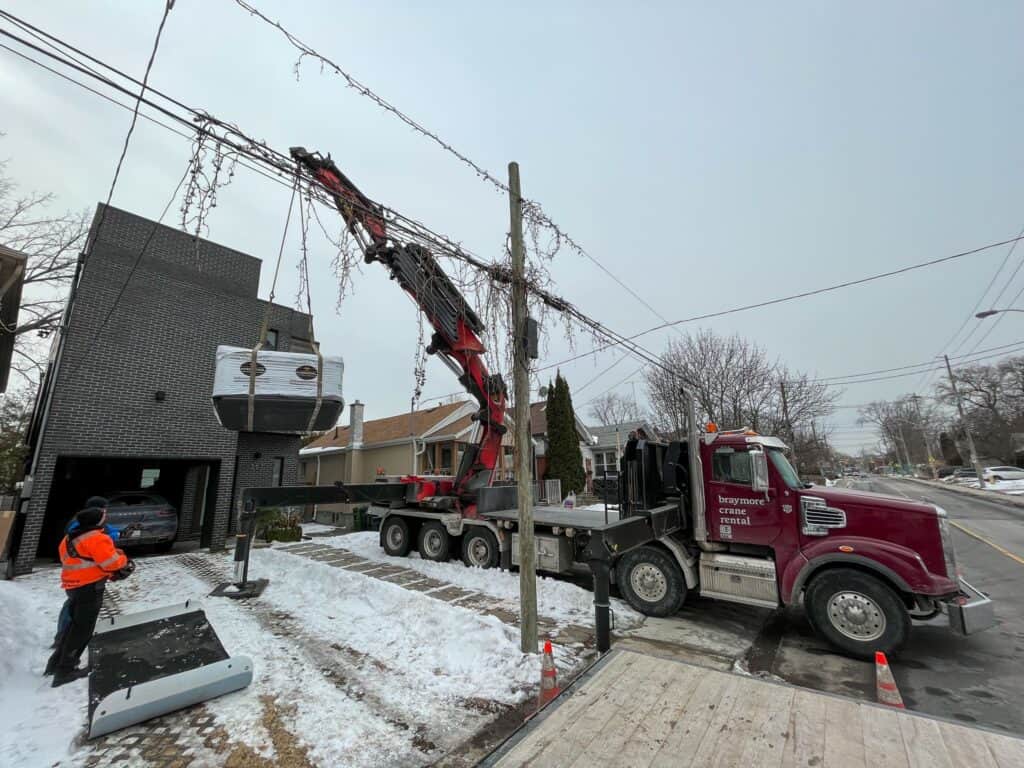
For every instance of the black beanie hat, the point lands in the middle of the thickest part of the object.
(90, 517)
(97, 501)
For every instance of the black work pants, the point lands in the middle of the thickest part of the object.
(85, 604)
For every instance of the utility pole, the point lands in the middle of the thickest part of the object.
(527, 552)
(906, 450)
(963, 420)
(924, 435)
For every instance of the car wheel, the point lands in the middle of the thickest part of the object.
(651, 581)
(857, 613)
(434, 542)
(394, 537)
(480, 548)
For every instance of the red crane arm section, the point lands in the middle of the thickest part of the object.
(456, 326)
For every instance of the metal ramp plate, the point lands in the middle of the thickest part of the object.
(150, 663)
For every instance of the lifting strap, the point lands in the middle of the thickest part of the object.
(304, 221)
(266, 315)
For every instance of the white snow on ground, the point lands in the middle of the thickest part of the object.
(600, 508)
(36, 721)
(1011, 487)
(308, 528)
(561, 601)
(408, 662)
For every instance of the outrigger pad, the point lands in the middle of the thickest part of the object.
(147, 664)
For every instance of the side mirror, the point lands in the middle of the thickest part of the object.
(759, 470)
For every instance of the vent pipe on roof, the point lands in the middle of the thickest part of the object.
(355, 422)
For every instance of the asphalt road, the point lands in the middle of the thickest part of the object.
(977, 680)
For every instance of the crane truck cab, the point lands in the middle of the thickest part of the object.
(864, 564)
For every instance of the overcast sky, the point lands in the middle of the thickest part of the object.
(709, 155)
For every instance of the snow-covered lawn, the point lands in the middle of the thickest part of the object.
(562, 601)
(360, 671)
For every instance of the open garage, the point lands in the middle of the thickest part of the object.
(190, 486)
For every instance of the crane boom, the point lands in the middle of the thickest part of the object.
(455, 338)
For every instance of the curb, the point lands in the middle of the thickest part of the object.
(977, 493)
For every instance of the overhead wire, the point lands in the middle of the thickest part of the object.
(235, 140)
(531, 208)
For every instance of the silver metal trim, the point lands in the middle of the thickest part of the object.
(123, 620)
(167, 694)
(815, 505)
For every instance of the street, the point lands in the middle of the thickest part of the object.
(973, 680)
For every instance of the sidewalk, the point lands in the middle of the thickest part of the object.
(645, 712)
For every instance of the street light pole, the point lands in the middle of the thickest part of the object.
(963, 420)
(990, 312)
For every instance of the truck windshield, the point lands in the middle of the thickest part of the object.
(789, 475)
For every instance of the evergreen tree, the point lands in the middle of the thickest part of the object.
(565, 460)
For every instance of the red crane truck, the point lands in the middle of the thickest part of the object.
(721, 514)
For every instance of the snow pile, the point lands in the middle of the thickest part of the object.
(38, 722)
(563, 602)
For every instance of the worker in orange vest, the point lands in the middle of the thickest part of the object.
(88, 558)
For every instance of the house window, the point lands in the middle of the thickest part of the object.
(278, 476)
(604, 463)
(149, 478)
(731, 466)
(446, 460)
(271, 342)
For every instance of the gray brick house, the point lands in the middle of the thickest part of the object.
(126, 398)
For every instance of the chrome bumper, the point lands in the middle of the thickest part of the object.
(970, 611)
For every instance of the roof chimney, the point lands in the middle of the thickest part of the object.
(355, 423)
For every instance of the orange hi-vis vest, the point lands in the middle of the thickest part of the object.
(95, 558)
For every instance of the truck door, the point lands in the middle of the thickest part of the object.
(736, 512)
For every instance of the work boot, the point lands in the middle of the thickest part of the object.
(61, 678)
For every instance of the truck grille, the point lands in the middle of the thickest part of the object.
(819, 517)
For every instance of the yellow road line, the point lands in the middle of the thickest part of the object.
(979, 537)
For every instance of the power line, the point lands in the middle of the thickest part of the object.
(928, 363)
(203, 124)
(915, 373)
(531, 208)
(795, 296)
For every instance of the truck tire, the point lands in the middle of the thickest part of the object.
(857, 613)
(480, 548)
(651, 581)
(394, 537)
(434, 542)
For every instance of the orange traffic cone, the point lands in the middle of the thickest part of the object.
(885, 683)
(548, 677)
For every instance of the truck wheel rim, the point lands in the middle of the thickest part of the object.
(395, 536)
(432, 543)
(856, 616)
(479, 551)
(648, 582)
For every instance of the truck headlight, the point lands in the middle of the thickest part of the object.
(948, 553)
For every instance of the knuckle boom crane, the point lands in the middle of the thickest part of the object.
(455, 339)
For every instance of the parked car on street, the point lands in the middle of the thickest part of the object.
(962, 477)
(143, 518)
(996, 474)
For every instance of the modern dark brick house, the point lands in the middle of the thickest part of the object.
(126, 399)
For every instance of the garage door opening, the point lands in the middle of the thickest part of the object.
(187, 485)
